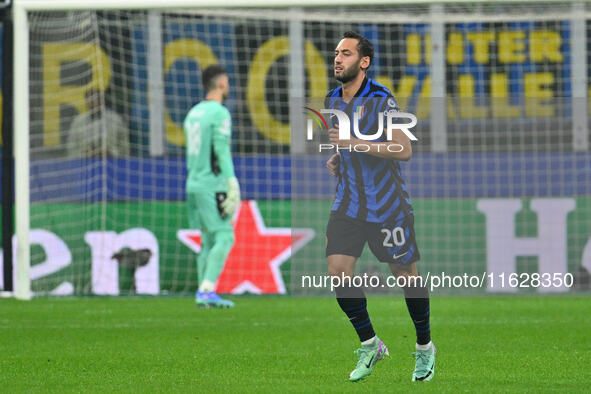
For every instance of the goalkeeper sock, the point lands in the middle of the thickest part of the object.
(203, 255)
(206, 286)
(222, 244)
(353, 302)
(417, 302)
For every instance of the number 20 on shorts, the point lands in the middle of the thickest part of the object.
(396, 236)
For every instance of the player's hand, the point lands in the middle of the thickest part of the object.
(230, 204)
(333, 135)
(333, 164)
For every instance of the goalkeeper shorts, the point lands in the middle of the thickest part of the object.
(205, 212)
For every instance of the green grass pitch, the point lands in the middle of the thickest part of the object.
(277, 344)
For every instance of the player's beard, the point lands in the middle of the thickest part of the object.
(349, 74)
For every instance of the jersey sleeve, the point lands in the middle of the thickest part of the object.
(329, 103)
(327, 100)
(222, 131)
(387, 104)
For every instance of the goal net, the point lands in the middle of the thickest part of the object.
(500, 177)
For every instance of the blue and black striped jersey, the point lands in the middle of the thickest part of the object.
(369, 188)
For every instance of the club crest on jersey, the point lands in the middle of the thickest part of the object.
(359, 112)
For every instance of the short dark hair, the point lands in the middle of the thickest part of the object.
(364, 46)
(210, 74)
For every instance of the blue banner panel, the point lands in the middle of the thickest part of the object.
(268, 177)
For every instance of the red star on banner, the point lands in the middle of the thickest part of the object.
(258, 252)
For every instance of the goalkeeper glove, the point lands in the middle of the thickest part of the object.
(230, 204)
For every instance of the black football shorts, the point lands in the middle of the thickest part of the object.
(391, 242)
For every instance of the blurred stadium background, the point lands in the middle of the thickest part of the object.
(500, 180)
(500, 177)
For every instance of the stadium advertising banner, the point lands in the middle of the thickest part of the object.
(139, 254)
(148, 257)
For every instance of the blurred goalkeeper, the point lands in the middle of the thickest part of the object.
(213, 192)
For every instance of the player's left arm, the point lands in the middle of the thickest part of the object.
(223, 152)
(398, 147)
(222, 146)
